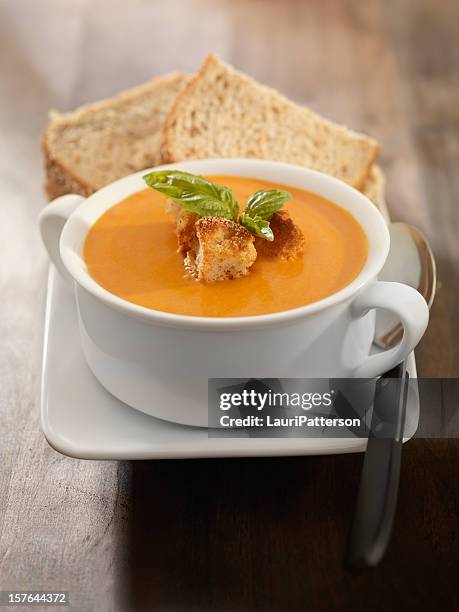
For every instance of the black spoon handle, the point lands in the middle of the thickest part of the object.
(378, 490)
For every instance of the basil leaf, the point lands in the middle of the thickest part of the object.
(195, 193)
(257, 226)
(266, 202)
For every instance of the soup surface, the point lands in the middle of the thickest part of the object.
(131, 251)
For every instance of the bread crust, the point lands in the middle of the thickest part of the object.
(360, 184)
(59, 179)
(374, 185)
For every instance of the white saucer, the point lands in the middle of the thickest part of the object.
(80, 419)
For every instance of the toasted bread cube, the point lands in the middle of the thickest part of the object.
(288, 240)
(184, 225)
(222, 250)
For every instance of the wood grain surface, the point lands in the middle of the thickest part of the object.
(227, 534)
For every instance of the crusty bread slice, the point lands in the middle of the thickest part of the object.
(101, 142)
(375, 185)
(224, 113)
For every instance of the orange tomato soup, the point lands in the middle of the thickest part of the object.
(131, 251)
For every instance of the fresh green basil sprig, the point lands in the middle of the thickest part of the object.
(195, 193)
(265, 203)
(257, 226)
(260, 208)
(207, 199)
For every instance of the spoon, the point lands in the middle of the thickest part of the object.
(410, 261)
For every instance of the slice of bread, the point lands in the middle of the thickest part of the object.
(224, 113)
(101, 142)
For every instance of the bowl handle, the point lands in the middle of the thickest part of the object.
(52, 220)
(409, 306)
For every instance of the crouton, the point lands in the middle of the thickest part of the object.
(222, 250)
(288, 240)
(184, 225)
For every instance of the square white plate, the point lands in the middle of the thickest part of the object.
(81, 419)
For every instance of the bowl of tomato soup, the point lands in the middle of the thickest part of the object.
(154, 336)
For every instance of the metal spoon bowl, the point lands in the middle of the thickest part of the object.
(410, 261)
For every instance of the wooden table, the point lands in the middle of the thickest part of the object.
(227, 534)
